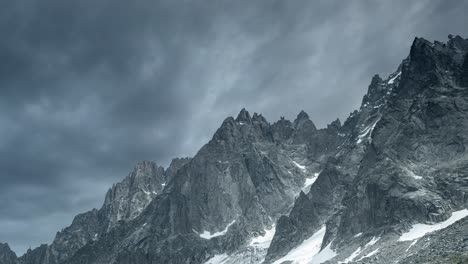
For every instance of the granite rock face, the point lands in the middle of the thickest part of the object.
(414, 168)
(256, 192)
(405, 159)
(236, 186)
(123, 202)
(7, 256)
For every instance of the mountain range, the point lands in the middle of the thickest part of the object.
(388, 185)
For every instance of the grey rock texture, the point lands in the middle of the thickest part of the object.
(323, 203)
(7, 256)
(123, 202)
(127, 199)
(38, 255)
(414, 168)
(405, 159)
(238, 185)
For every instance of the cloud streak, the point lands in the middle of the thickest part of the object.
(88, 88)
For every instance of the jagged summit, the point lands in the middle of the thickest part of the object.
(7, 256)
(302, 121)
(244, 116)
(302, 115)
(259, 118)
(335, 124)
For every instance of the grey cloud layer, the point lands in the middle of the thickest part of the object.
(88, 88)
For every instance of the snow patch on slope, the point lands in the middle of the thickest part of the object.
(412, 244)
(301, 167)
(326, 254)
(352, 256)
(309, 181)
(358, 234)
(392, 80)
(208, 235)
(420, 230)
(359, 250)
(367, 131)
(412, 174)
(305, 252)
(369, 255)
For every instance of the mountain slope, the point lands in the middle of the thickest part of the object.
(236, 186)
(7, 256)
(123, 202)
(412, 167)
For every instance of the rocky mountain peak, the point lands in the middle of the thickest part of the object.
(148, 169)
(282, 129)
(335, 125)
(145, 166)
(244, 116)
(302, 121)
(7, 256)
(375, 92)
(432, 64)
(175, 165)
(302, 116)
(376, 79)
(38, 255)
(259, 118)
(4, 246)
(457, 42)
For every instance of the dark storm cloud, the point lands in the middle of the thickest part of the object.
(88, 88)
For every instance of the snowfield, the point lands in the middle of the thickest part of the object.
(309, 251)
(420, 230)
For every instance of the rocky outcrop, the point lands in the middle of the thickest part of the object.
(123, 202)
(404, 154)
(236, 186)
(418, 146)
(127, 199)
(7, 256)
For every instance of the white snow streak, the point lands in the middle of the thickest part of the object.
(392, 80)
(412, 244)
(358, 234)
(208, 235)
(352, 256)
(369, 255)
(304, 252)
(308, 182)
(358, 251)
(420, 230)
(412, 174)
(372, 242)
(301, 167)
(366, 131)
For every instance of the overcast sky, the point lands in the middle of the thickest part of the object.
(90, 87)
